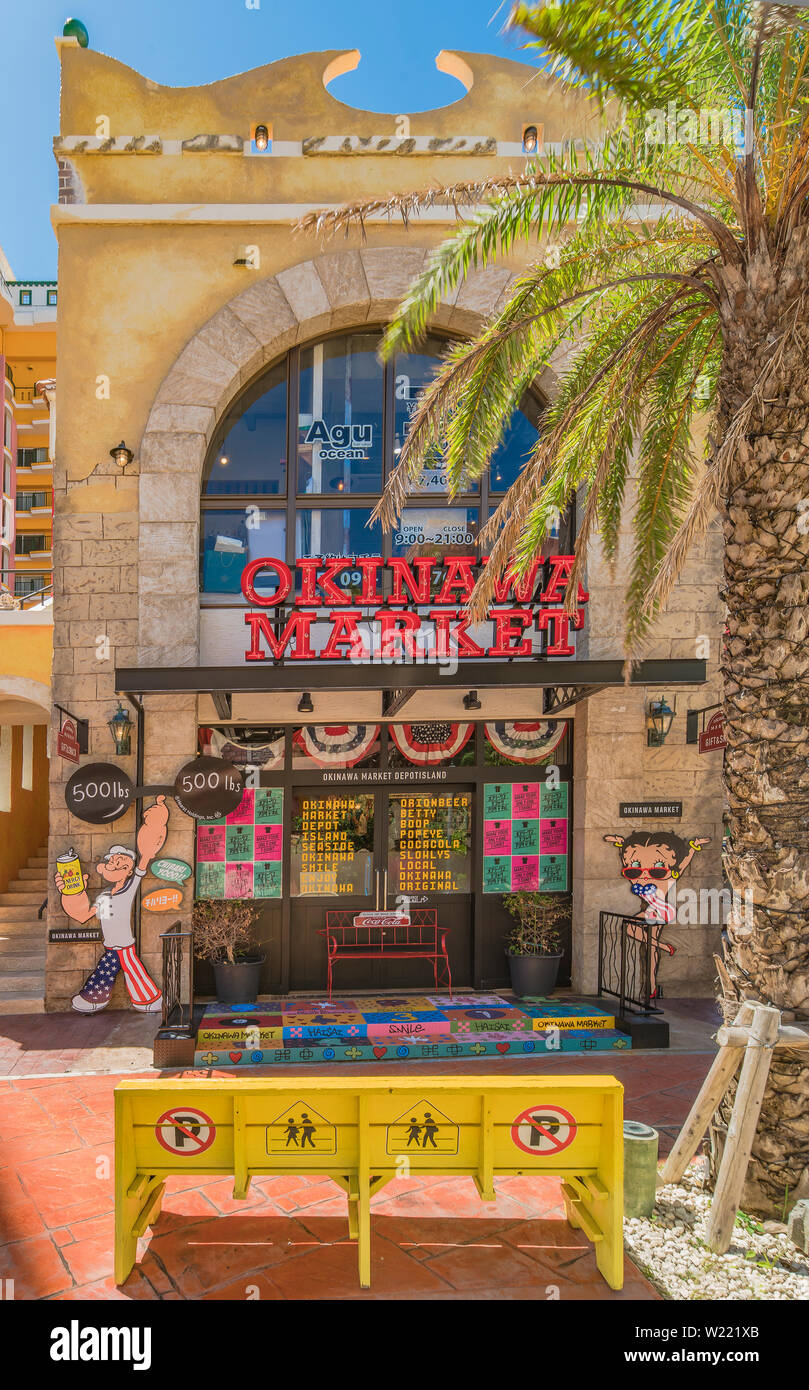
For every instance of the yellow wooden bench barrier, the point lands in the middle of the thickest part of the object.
(362, 1132)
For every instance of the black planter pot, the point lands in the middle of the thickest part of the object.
(238, 983)
(533, 975)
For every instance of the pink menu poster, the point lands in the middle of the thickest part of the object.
(243, 815)
(553, 836)
(210, 843)
(497, 837)
(525, 800)
(238, 880)
(524, 872)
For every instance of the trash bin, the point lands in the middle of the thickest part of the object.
(640, 1168)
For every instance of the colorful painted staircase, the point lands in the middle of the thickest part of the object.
(410, 1028)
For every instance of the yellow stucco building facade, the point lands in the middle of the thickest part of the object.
(186, 293)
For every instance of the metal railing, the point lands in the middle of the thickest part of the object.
(178, 979)
(627, 950)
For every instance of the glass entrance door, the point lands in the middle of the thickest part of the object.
(334, 863)
(430, 865)
(361, 850)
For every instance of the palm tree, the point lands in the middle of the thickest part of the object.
(674, 254)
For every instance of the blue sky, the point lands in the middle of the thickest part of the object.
(185, 42)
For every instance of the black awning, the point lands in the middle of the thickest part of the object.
(577, 677)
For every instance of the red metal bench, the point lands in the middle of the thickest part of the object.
(420, 939)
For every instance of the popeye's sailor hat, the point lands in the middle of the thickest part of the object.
(118, 849)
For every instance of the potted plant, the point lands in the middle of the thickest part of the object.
(533, 944)
(223, 935)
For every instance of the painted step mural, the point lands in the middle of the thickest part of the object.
(412, 1028)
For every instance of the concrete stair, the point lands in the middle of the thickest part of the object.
(23, 939)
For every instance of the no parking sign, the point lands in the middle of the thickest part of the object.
(185, 1130)
(544, 1129)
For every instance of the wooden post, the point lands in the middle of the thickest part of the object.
(742, 1127)
(711, 1092)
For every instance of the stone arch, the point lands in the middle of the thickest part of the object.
(28, 691)
(331, 291)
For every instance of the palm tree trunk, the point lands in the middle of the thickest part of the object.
(765, 668)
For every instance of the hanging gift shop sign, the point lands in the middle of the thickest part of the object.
(309, 616)
(713, 735)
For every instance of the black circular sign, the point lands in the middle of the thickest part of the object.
(98, 793)
(208, 788)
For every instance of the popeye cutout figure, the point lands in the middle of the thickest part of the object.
(652, 860)
(123, 870)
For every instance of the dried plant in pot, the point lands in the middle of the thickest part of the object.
(223, 935)
(533, 945)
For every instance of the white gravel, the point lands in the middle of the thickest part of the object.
(671, 1250)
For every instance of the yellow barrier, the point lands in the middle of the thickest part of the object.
(362, 1132)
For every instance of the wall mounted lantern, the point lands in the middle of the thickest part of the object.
(261, 137)
(121, 454)
(305, 705)
(471, 700)
(659, 716)
(530, 139)
(120, 726)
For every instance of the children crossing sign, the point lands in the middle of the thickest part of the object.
(422, 1128)
(300, 1129)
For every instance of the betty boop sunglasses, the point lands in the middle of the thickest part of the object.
(653, 873)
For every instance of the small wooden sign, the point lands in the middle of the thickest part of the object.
(650, 810)
(713, 735)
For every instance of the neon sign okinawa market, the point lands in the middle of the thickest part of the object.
(514, 614)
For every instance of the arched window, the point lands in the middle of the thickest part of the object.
(301, 458)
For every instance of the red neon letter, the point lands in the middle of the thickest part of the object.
(344, 633)
(560, 631)
(451, 635)
(255, 567)
(369, 566)
(508, 583)
(396, 632)
(459, 576)
(561, 565)
(308, 572)
(509, 623)
(297, 628)
(419, 589)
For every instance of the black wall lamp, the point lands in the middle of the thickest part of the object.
(121, 454)
(471, 700)
(305, 705)
(659, 716)
(120, 726)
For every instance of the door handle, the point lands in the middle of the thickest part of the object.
(376, 890)
(385, 892)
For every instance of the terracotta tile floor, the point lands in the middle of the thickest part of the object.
(431, 1238)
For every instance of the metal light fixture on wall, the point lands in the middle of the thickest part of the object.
(121, 454)
(305, 705)
(659, 716)
(471, 700)
(120, 726)
(261, 137)
(530, 139)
